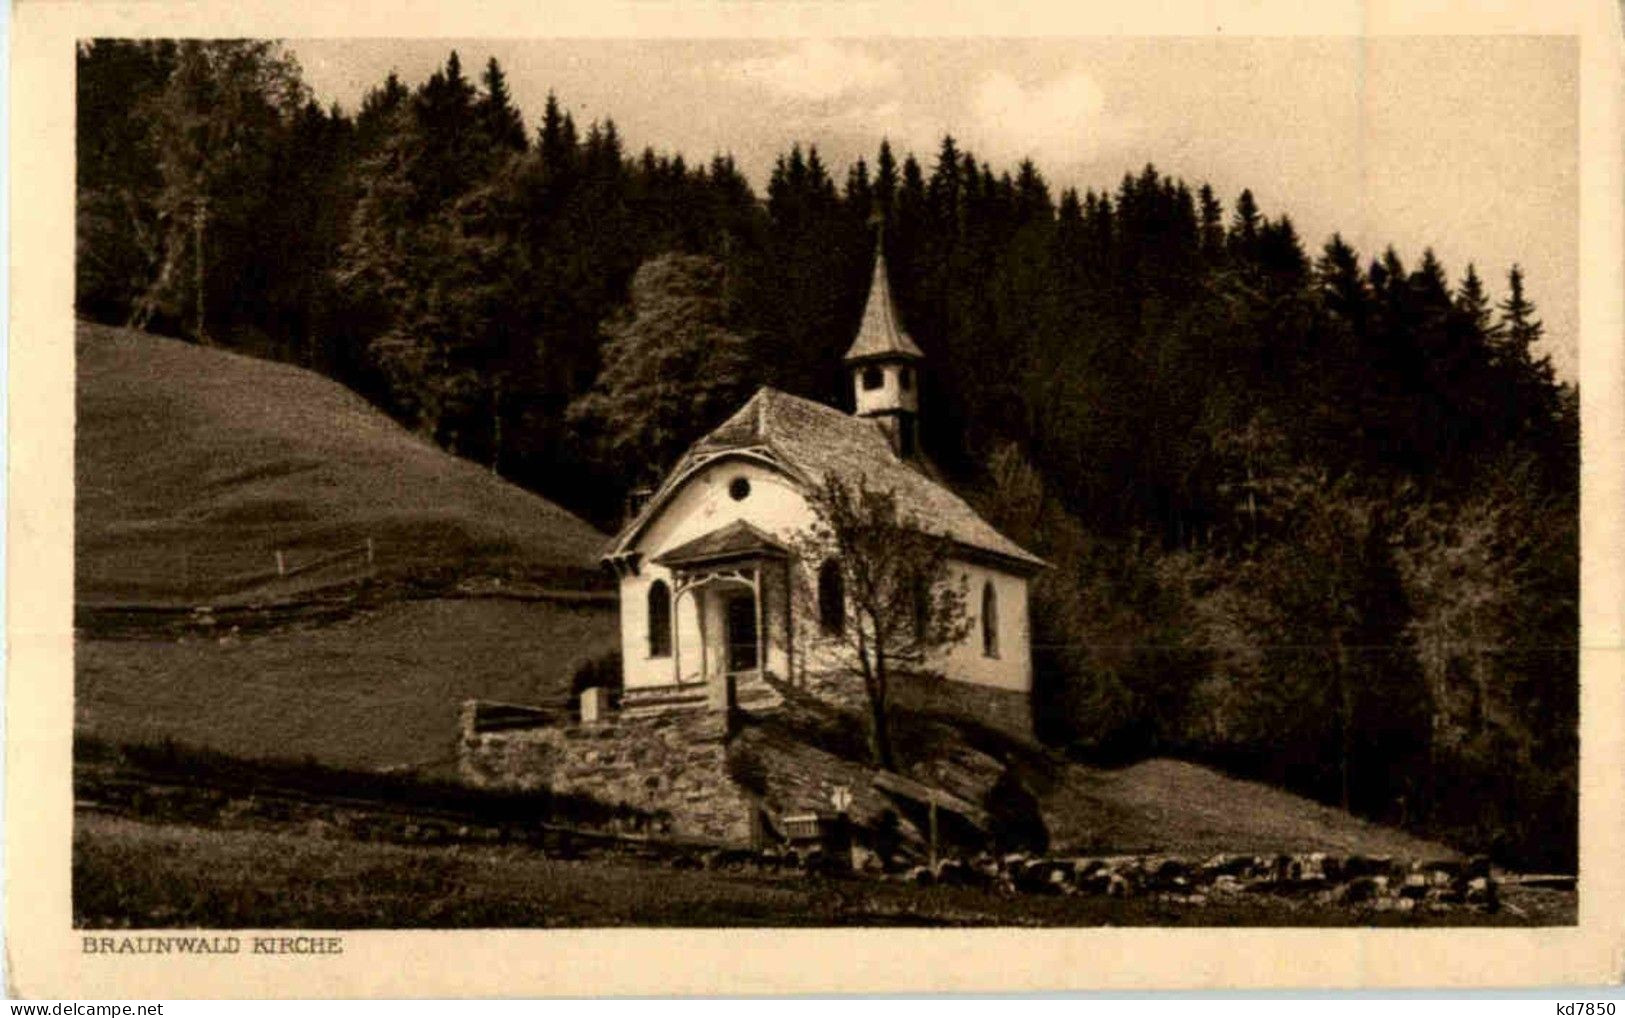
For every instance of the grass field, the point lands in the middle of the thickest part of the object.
(378, 690)
(194, 466)
(126, 872)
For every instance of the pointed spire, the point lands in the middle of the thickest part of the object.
(880, 334)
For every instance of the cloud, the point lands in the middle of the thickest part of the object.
(1052, 118)
(885, 117)
(817, 69)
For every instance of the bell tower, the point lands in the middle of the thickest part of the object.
(884, 363)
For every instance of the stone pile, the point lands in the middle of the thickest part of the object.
(1377, 882)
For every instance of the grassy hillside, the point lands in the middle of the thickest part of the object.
(1163, 805)
(195, 466)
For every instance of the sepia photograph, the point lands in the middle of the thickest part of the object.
(825, 483)
(532, 482)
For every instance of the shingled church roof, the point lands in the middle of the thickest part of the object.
(880, 334)
(810, 441)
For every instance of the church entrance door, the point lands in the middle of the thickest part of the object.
(740, 619)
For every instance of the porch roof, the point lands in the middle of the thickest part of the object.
(737, 540)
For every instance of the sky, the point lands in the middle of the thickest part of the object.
(1468, 145)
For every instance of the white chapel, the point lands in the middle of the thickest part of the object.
(705, 566)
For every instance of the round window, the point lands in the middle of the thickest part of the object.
(739, 488)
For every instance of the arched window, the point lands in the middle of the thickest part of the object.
(659, 619)
(990, 621)
(831, 598)
(873, 378)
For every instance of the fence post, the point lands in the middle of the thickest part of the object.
(281, 566)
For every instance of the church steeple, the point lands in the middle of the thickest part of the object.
(882, 360)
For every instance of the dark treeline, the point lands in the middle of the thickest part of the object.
(1312, 516)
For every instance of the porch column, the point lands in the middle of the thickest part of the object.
(761, 622)
(718, 685)
(676, 642)
(705, 642)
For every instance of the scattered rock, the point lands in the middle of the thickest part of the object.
(1226, 883)
(1367, 865)
(1362, 889)
(1227, 865)
(1449, 868)
(1481, 891)
(867, 860)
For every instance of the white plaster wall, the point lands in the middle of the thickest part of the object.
(891, 395)
(1013, 667)
(701, 506)
(775, 506)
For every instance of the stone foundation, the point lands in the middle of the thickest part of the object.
(672, 767)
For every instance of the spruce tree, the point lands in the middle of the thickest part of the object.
(1244, 224)
(885, 186)
(1211, 224)
(503, 124)
(1520, 329)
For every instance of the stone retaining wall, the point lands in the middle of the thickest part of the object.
(671, 767)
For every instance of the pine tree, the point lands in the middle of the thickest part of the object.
(859, 194)
(1244, 225)
(944, 190)
(502, 122)
(1519, 328)
(1342, 286)
(1032, 195)
(550, 139)
(1473, 304)
(885, 186)
(1211, 224)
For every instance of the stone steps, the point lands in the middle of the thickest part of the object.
(636, 703)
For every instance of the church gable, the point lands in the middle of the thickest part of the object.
(713, 496)
(803, 442)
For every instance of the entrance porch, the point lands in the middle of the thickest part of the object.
(730, 615)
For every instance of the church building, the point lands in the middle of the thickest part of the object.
(706, 566)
